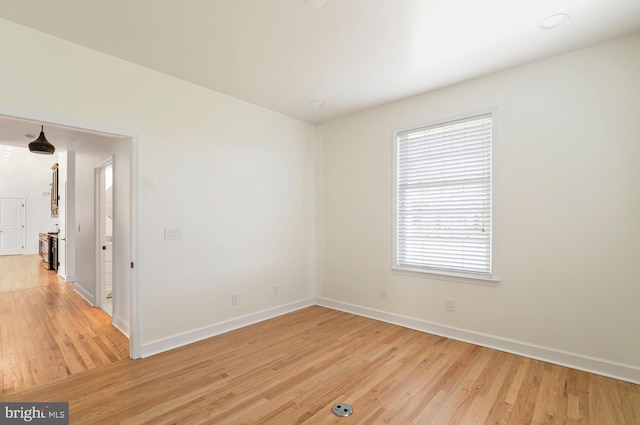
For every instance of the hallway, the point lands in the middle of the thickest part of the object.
(47, 330)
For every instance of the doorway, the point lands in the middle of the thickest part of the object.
(62, 231)
(104, 220)
(85, 139)
(11, 226)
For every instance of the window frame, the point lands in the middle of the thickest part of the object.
(491, 279)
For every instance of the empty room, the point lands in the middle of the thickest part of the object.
(320, 211)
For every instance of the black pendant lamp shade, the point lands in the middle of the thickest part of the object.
(41, 145)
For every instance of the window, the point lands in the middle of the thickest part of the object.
(443, 198)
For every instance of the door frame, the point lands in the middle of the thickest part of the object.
(99, 224)
(134, 149)
(62, 231)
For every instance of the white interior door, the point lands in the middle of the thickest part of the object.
(11, 226)
(105, 236)
(62, 231)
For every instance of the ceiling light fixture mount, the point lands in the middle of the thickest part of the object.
(553, 21)
(314, 3)
(41, 145)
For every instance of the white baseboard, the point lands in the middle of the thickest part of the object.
(121, 325)
(88, 297)
(175, 341)
(563, 358)
(573, 360)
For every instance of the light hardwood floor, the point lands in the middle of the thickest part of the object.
(294, 368)
(47, 331)
(18, 272)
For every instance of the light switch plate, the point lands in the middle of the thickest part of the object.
(172, 233)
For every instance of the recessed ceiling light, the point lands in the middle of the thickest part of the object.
(314, 3)
(316, 103)
(553, 21)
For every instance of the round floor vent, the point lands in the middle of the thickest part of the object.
(342, 409)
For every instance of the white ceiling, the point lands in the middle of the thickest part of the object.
(351, 54)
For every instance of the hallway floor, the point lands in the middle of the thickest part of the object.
(47, 330)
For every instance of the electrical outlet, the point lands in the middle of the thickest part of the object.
(234, 299)
(276, 290)
(383, 293)
(451, 304)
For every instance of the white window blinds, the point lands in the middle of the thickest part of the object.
(444, 197)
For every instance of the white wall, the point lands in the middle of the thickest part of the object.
(26, 175)
(235, 178)
(567, 221)
(121, 311)
(67, 176)
(85, 231)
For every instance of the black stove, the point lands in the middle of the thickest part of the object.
(48, 249)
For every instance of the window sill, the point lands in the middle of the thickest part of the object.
(451, 277)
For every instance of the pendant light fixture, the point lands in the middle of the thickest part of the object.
(41, 145)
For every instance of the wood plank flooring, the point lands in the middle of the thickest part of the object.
(19, 272)
(47, 331)
(294, 368)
